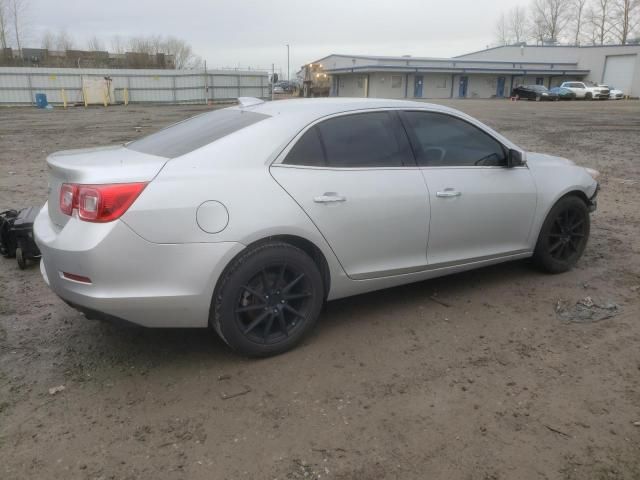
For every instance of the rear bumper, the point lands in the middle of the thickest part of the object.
(145, 283)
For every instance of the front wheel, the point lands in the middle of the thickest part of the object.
(22, 261)
(20, 257)
(268, 299)
(588, 96)
(563, 236)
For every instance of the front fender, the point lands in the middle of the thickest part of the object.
(556, 177)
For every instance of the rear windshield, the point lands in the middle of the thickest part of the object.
(195, 132)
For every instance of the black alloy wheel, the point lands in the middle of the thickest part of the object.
(273, 303)
(268, 298)
(564, 235)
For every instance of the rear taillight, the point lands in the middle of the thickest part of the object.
(68, 196)
(99, 203)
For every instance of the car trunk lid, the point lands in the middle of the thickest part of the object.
(115, 164)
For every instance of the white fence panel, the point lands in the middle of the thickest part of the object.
(190, 95)
(18, 85)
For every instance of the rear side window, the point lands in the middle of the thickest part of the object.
(195, 132)
(365, 140)
(360, 140)
(440, 140)
(307, 151)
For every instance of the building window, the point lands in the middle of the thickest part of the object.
(396, 81)
(539, 81)
(441, 82)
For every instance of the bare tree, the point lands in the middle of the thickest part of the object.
(63, 41)
(48, 41)
(600, 21)
(502, 30)
(517, 24)
(537, 29)
(4, 24)
(552, 17)
(141, 45)
(95, 44)
(181, 51)
(18, 10)
(625, 18)
(578, 7)
(117, 44)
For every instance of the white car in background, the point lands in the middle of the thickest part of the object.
(247, 219)
(615, 94)
(587, 91)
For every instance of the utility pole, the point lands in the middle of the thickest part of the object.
(206, 84)
(273, 74)
(288, 74)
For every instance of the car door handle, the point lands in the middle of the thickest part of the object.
(448, 192)
(329, 197)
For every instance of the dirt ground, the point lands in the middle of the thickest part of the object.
(473, 376)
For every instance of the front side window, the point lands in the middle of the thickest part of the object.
(373, 139)
(440, 140)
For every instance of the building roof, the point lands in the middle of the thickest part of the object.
(524, 45)
(341, 63)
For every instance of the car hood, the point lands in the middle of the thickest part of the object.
(544, 160)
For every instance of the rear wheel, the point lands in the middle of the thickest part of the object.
(20, 258)
(268, 299)
(563, 236)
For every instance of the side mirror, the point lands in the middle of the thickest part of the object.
(514, 158)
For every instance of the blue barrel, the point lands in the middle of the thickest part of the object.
(41, 100)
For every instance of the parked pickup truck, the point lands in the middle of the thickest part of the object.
(587, 91)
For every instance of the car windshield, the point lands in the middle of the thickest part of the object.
(192, 133)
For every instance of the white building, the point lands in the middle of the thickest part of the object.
(484, 74)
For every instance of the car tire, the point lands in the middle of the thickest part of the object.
(20, 258)
(267, 300)
(563, 236)
(588, 96)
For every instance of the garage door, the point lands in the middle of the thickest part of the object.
(618, 71)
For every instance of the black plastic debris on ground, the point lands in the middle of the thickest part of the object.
(586, 310)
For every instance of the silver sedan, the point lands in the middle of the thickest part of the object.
(247, 219)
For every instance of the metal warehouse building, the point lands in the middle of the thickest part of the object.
(484, 74)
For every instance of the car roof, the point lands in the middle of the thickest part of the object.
(309, 109)
(288, 118)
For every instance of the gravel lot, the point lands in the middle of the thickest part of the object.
(473, 376)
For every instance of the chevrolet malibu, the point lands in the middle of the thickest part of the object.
(247, 219)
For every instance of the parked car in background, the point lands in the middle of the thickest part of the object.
(587, 90)
(284, 87)
(563, 93)
(534, 92)
(247, 219)
(615, 94)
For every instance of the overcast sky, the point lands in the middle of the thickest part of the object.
(254, 32)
